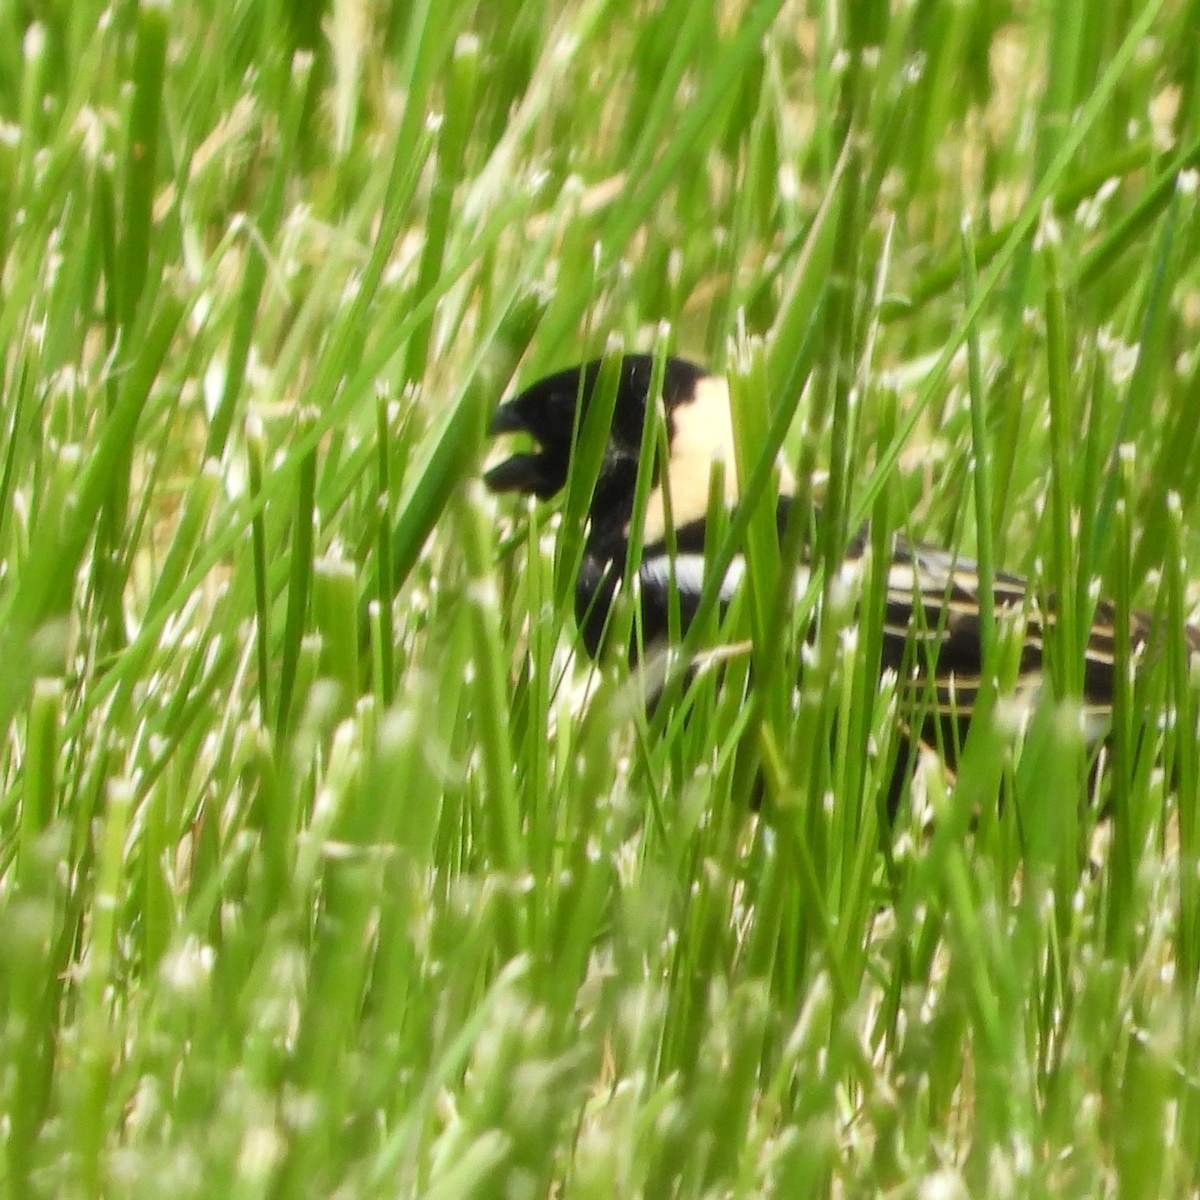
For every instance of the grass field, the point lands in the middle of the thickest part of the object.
(326, 867)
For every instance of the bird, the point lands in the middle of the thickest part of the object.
(932, 633)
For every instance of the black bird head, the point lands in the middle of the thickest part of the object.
(546, 411)
(698, 428)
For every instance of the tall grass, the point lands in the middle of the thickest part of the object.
(327, 864)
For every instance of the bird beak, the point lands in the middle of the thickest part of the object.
(519, 472)
(507, 419)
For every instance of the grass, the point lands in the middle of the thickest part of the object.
(326, 866)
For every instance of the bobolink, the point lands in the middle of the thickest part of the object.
(931, 633)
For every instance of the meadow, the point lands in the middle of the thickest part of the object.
(329, 865)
